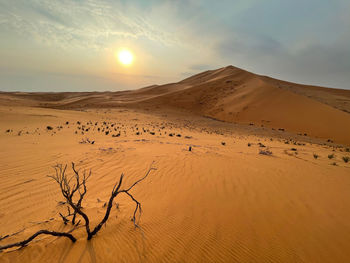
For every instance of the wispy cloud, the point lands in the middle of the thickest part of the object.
(303, 41)
(89, 24)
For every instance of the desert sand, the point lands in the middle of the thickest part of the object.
(220, 202)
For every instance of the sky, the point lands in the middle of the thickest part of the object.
(49, 45)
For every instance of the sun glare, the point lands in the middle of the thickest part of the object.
(125, 57)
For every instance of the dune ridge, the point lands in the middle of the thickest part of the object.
(228, 94)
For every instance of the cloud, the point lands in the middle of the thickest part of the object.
(89, 24)
(277, 38)
(313, 63)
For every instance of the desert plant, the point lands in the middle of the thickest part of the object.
(76, 185)
(261, 145)
(315, 156)
(265, 152)
(345, 159)
(330, 156)
(69, 187)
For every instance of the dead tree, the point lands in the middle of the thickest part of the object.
(76, 185)
(40, 232)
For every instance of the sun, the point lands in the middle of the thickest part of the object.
(125, 57)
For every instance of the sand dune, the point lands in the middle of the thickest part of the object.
(234, 95)
(229, 94)
(221, 202)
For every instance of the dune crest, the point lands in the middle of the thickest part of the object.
(228, 94)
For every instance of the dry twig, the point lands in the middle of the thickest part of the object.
(76, 184)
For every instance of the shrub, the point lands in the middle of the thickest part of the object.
(261, 145)
(73, 189)
(265, 152)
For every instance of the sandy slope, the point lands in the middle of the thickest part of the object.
(215, 204)
(221, 202)
(235, 95)
(229, 94)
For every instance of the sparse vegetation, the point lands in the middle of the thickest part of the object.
(87, 140)
(330, 156)
(315, 156)
(345, 159)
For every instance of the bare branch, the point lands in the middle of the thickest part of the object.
(149, 170)
(40, 232)
(65, 220)
(138, 207)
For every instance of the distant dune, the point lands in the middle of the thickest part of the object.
(229, 94)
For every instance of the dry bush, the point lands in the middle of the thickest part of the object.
(331, 156)
(73, 189)
(265, 152)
